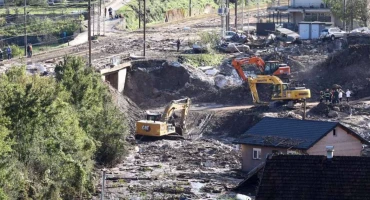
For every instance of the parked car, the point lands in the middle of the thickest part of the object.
(361, 30)
(332, 33)
(229, 35)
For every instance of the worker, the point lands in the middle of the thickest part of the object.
(110, 10)
(348, 94)
(336, 96)
(340, 95)
(321, 96)
(9, 52)
(1, 54)
(327, 96)
(178, 43)
(29, 50)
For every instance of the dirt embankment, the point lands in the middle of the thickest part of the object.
(154, 83)
(348, 68)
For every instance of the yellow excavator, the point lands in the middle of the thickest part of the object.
(157, 124)
(282, 92)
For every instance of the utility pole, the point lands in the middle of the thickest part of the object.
(99, 14)
(258, 11)
(139, 13)
(236, 15)
(105, 17)
(243, 2)
(89, 30)
(248, 17)
(93, 21)
(228, 16)
(144, 23)
(189, 8)
(25, 29)
(344, 15)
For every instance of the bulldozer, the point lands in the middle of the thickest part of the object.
(162, 124)
(274, 68)
(282, 92)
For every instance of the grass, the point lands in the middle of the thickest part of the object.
(43, 48)
(156, 10)
(198, 60)
(44, 10)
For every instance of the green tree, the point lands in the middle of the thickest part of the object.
(93, 101)
(352, 10)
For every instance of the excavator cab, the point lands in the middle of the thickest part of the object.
(279, 90)
(153, 116)
(158, 124)
(277, 69)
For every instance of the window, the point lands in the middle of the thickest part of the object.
(256, 153)
(334, 133)
(275, 151)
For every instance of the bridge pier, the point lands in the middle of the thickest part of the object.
(116, 76)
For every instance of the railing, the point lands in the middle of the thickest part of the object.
(319, 18)
(309, 5)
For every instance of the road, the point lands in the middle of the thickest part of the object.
(108, 24)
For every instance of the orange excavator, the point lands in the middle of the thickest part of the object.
(266, 68)
(282, 92)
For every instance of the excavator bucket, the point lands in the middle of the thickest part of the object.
(179, 130)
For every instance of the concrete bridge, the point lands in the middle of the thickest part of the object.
(116, 76)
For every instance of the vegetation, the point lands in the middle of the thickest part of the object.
(198, 60)
(37, 26)
(53, 130)
(156, 10)
(355, 10)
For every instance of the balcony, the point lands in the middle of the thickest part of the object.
(308, 6)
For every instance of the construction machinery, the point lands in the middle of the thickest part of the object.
(157, 124)
(282, 92)
(274, 68)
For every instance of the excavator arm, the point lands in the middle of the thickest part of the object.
(181, 104)
(253, 81)
(238, 63)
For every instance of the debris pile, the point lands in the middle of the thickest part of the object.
(167, 169)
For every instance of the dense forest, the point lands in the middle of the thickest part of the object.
(54, 130)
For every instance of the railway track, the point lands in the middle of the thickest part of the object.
(82, 49)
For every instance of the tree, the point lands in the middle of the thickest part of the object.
(351, 10)
(52, 131)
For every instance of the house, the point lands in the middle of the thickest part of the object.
(292, 136)
(306, 177)
(305, 10)
(309, 11)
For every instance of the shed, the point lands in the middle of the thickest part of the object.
(310, 30)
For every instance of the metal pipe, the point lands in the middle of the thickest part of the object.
(103, 184)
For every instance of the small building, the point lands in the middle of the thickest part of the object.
(307, 177)
(310, 30)
(292, 136)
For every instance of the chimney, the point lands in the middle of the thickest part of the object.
(329, 152)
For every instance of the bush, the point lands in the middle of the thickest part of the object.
(16, 50)
(51, 131)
